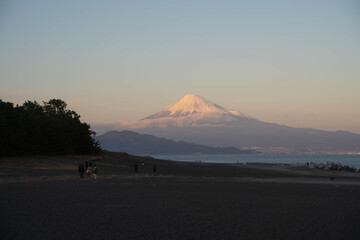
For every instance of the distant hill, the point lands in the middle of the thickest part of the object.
(135, 143)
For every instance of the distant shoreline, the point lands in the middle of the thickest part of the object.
(281, 159)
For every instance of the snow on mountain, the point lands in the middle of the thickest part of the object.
(190, 110)
(189, 104)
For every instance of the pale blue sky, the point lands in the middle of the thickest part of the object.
(290, 62)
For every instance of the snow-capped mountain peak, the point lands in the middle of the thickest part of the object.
(192, 104)
(190, 110)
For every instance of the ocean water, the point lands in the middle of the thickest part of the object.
(350, 160)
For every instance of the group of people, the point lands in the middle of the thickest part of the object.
(89, 169)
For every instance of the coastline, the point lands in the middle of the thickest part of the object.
(264, 158)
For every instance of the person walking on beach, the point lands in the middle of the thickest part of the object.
(88, 171)
(95, 171)
(81, 170)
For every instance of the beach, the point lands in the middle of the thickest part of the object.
(44, 198)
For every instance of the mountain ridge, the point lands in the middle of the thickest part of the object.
(135, 143)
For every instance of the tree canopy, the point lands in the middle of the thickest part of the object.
(48, 129)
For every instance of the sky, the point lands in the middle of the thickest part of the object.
(294, 63)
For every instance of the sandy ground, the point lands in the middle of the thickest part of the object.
(43, 198)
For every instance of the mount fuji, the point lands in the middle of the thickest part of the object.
(189, 111)
(195, 119)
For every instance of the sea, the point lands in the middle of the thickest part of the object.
(349, 160)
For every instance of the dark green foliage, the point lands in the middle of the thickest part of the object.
(48, 129)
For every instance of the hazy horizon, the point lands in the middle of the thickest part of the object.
(290, 63)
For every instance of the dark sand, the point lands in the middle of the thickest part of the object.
(43, 198)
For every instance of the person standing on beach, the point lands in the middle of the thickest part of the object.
(81, 170)
(95, 171)
(88, 171)
(136, 167)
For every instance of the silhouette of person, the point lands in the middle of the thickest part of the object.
(81, 170)
(154, 168)
(136, 167)
(95, 171)
(88, 171)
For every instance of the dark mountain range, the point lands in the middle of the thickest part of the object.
(135, 143)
